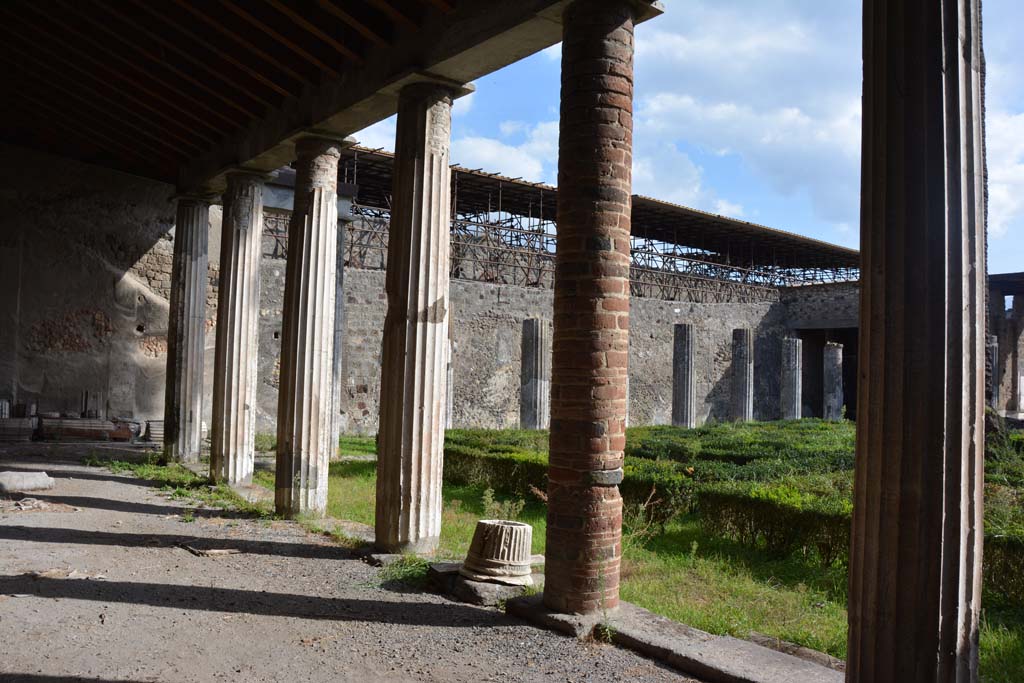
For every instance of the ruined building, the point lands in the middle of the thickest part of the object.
(124, 121)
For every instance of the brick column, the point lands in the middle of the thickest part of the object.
(304, 403)
(915, 563)
(233, 420)
(684, 381)
(591, 308)
(414, 353)
(186, 331)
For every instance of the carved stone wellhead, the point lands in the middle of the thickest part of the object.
(500, 553)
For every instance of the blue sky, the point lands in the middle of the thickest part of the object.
(749, 109)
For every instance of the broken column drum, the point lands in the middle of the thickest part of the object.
(792, 378)
(832, 382)
(535, 388)
(500, 553)
(414, 357)
(590, 354)
(186, 331)
(304, 413)
(233, 422)
(742, 375)
(684, 383)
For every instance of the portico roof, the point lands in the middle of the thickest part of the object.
(182, 90)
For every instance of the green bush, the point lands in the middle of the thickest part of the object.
(751, 450)
(796, 514)
(512, 462)
(1003, 566)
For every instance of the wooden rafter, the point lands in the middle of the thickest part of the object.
(284, 40)
(170, 45)
(107, 49)
(361, 27)
(311, 28)
(97, 80)
(84, 57)
(240, 39)
(138, 46)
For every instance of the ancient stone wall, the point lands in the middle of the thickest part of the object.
(487, 334)
(83, 307)
(826, 306)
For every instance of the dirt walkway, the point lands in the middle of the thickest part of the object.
(98, 588)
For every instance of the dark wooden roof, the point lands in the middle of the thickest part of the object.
(1009, 284)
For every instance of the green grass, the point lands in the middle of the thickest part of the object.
(181, 483)
(680, 572)
(347, 445)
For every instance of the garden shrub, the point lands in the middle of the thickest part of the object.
(796, 514)
(1003, 566)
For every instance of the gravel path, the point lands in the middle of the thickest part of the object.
(96, 587)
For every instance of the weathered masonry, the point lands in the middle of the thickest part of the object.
(194, 102)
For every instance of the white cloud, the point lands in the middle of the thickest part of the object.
(1005, 134)
(509, 128)
(724, 207)
(380, 134)
(463, 105)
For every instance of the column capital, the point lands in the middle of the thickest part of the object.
(242, 172)
(642, 9)
(206, 198)
(315, 142)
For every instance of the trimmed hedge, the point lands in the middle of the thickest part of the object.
(507, 461)
(792, 515)
(1003, 566)
(782, 498)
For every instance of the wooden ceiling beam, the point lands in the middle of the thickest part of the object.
(241, 40)
(355, 23)
(157, 59)
(83, 56)
(113, 102)
(310, 28)
(165, 19)
(284, 40)
(445, 6)
(105, 48)
(395, 14)
(81, 120)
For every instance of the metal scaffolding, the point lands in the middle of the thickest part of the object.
(503, 231)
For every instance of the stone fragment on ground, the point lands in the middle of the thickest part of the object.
(16, 482)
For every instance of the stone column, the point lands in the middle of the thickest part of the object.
(449, 413)
(915, 579)
(992, 372)
(1017, 348)
(589, 367)
(413, 391)
(304, 404)
(684, 382)
(792, 380)
(186, 331)
(832, 382)
(233, 428)
(534, 386)
(742, 375)
(337, 379)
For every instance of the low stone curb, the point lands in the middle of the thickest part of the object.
(716, 659)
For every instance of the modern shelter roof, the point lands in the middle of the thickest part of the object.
(743, 243)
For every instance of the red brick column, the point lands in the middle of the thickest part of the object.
(591, 316)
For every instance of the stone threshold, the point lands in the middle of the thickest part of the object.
(715, 659)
